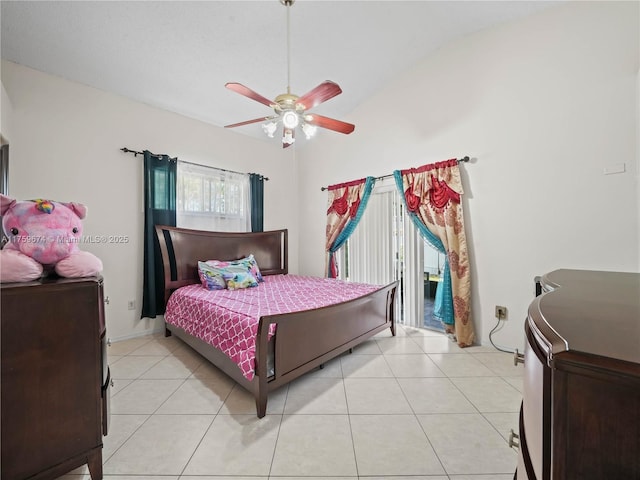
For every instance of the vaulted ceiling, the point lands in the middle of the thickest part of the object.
(178, 55)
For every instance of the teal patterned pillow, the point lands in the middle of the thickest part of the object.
(248, 262)
(252, 265)
(238, 277)
(211, 277)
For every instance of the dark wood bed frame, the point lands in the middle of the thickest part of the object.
(303, 340)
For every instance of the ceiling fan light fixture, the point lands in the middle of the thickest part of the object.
(309, 130)
(290, 119)
(270, 128)
(288, 137)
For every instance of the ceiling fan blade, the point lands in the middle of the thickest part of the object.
(329, 123)
(247, 92)
(248, 122)
(323, 92)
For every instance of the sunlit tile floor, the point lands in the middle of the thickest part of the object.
(413, 407)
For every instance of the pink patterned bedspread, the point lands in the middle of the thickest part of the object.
(228, 319)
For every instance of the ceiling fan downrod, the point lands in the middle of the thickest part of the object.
(288, 3)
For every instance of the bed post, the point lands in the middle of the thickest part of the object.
(261, 401)
(391, 309)
(261, 367)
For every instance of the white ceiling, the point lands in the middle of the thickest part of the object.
(178, 55)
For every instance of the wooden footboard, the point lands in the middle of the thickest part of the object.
(303, 340)
(308, 339)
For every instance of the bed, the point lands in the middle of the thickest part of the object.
(287, 345)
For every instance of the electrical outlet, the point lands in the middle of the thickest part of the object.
(501, 312)
(131, 304)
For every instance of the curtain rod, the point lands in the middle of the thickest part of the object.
(136, 153)
(459, 160)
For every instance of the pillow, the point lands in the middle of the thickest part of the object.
(252, 265)
(232, 277)
(238, 277)
(211, 277)
(248, 262)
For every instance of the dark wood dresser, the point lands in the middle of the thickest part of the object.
(580, 416)
(55, 380)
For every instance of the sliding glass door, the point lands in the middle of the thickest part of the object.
(386, 247)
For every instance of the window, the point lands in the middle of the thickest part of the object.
(212, 199)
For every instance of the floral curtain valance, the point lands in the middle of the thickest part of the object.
(432, 195)
(346, 204)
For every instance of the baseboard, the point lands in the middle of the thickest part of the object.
(159, 328)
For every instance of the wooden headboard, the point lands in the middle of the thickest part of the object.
(182, 248)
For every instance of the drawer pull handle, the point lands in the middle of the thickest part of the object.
(513, 436)
(517, 357)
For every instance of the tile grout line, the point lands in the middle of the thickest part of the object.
(275, 444)
(198, 445)
(353, 443)
(415, 416)
(155, 412)
(104, 461)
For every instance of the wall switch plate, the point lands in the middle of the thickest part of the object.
(131, 304)
(501, 312)
(614, 168)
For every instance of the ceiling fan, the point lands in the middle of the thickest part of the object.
(291, 110)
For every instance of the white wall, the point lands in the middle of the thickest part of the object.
(543, 105)
(65, 146)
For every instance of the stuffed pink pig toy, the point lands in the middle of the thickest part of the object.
(42, 235)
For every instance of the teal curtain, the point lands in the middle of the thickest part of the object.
(159, 209)
(443, 305)
(350, 226)
(256, 183)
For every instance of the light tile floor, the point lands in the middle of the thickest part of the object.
(413, 407)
